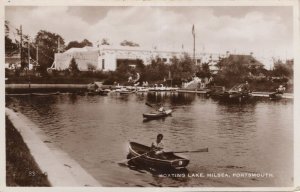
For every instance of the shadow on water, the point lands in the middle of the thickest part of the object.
(172, 99)
(73, 98)
(241, 136)
(158, 174)
(158, 120)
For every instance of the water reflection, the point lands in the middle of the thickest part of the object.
(94, 131)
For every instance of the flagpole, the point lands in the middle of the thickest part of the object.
(194, 49)
(194, 36)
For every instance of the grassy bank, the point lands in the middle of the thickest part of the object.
(21, 168)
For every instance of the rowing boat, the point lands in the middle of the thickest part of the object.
(275, 96)
(164, 161)
(157, 115)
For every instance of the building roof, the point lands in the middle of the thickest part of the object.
(83, 49)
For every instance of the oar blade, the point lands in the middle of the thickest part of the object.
(148, 104)
(196, 151)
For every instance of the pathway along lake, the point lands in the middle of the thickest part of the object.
(256, 137)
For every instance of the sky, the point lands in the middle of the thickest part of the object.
(266, 31)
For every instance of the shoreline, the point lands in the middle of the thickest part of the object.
(59, 167)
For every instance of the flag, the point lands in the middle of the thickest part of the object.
(193, 30)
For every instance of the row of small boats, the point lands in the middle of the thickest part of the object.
(161, 87)
(237, 95)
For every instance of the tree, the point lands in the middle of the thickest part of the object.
(73, 67)
(129, 43)
(6, 28)
(91, 67)
(157, 70)
(232, 71)
(203, 71)
(283, 69)
(48, 46)
(73, 44)
(86, 42)
(76, 44)
(105, 41)
(123, 71)
(183, 68)
(10, 46)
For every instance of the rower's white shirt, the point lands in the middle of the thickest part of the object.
(158, 145)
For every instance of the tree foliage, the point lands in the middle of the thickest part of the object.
(76, 44)
(48, 46)
(10, 46)
(183, 68)
(231, 71)
(157, 70)
(283, 69)
(203, 71)
(91, 67)
(105, 41)
(73, 67)
(129, 43)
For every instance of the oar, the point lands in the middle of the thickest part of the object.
(125, 161)
(150, 105)
(196, 151)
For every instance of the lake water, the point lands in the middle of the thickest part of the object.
(256, 137)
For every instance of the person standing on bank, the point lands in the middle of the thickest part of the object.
(280, 89)
(245, 88)
(158, 145)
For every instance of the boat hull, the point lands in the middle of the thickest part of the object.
(157, 115)
(166, 161)
(276, 96)
(234, 97)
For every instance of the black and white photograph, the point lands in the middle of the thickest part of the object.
(149, 94)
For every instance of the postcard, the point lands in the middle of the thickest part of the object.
(150, 95)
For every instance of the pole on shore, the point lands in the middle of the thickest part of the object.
(194, 37)
(28, 53)
(21, 42)
(37, 53)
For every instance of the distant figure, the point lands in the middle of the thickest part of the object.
(280, 89)
(245, 87)
(158, 145)
(129, 79)
(161, 109)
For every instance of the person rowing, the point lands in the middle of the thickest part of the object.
(158, 145)
(161, 109)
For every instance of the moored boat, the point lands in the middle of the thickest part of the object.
(142, 155)
(142, 89)
(157, 115)
(44, 94)
(238, 93)
(125, 91)
(234, 96)
(275, 96)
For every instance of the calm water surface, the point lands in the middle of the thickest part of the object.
(256, 137)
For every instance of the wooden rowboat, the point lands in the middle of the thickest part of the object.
(157, 115)
(164, 161)
(276, 96)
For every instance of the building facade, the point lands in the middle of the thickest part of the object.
(108, 58)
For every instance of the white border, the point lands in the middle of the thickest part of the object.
(294, 3)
